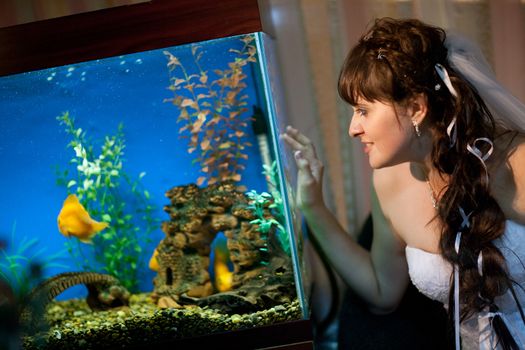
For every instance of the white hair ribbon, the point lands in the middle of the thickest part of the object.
(465, 223)
(456, 293)
(480, 263)
(480, 271)
(443, 74)
(452, 132)
(482, 157)
(486, 334)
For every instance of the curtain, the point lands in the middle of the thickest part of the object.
(330, 27)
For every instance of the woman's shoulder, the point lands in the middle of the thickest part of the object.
(516, 153)
(393, 178)
(509, 157)
(392, 184)
(508, 176)
(400, 194)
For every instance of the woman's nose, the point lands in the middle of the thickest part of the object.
(355, 128)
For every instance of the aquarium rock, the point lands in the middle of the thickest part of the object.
(262, 270)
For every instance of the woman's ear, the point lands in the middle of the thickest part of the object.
(418, 108)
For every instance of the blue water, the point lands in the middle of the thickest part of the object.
(101, 94)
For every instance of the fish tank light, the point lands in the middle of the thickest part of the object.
(147, 196)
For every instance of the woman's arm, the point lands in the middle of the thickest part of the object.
(379, 276)
(387, 251)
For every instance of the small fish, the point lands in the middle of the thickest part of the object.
(222, 274)
(153, 262)
(74, 220)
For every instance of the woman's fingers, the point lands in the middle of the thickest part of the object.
(305, 171)
(292, 142)
(298, 135)
(297, 141)
(317, 170)
(309, 168)
(304, 153)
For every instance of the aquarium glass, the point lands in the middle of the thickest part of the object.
(149, 194)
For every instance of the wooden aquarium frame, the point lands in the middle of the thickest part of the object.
(122, 30)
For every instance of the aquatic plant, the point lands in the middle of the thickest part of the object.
(259, 202)
(270, 201)
(109, 194)
(22, 263)
(212, 108)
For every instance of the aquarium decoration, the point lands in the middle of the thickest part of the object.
(104, 292)
(261, 202)
(110, 195)
(23, 264)
(262, 270)
(212, 108)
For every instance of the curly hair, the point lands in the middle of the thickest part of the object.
(394, 61)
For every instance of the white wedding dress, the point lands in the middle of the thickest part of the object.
(432, 274)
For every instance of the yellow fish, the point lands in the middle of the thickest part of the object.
(223, 275)
(74, 220)
(153, 262)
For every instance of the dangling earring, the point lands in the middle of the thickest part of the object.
(416, 127)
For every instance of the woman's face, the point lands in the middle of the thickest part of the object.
(386, 132)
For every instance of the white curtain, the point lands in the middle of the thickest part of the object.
(326, 29)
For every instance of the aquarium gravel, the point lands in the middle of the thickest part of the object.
(74, 326)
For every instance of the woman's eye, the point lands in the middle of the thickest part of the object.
(360, 112)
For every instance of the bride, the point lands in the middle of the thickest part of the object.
(447, 145)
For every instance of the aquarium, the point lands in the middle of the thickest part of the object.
(146, 197)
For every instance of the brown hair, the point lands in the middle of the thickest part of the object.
(394, 61)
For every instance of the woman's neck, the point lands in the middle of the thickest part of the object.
(425, 171)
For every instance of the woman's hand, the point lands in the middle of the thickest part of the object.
(310, 169)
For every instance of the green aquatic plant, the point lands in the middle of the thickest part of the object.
(262, 202)
(109, 194)
(22, 263)
(258, 204)
(211, 111)
(277, 207)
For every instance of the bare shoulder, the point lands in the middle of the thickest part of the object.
(404, 201)
(389, 181)
(516, 157)
(389, 184)
(516, 161)
(508, 178)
